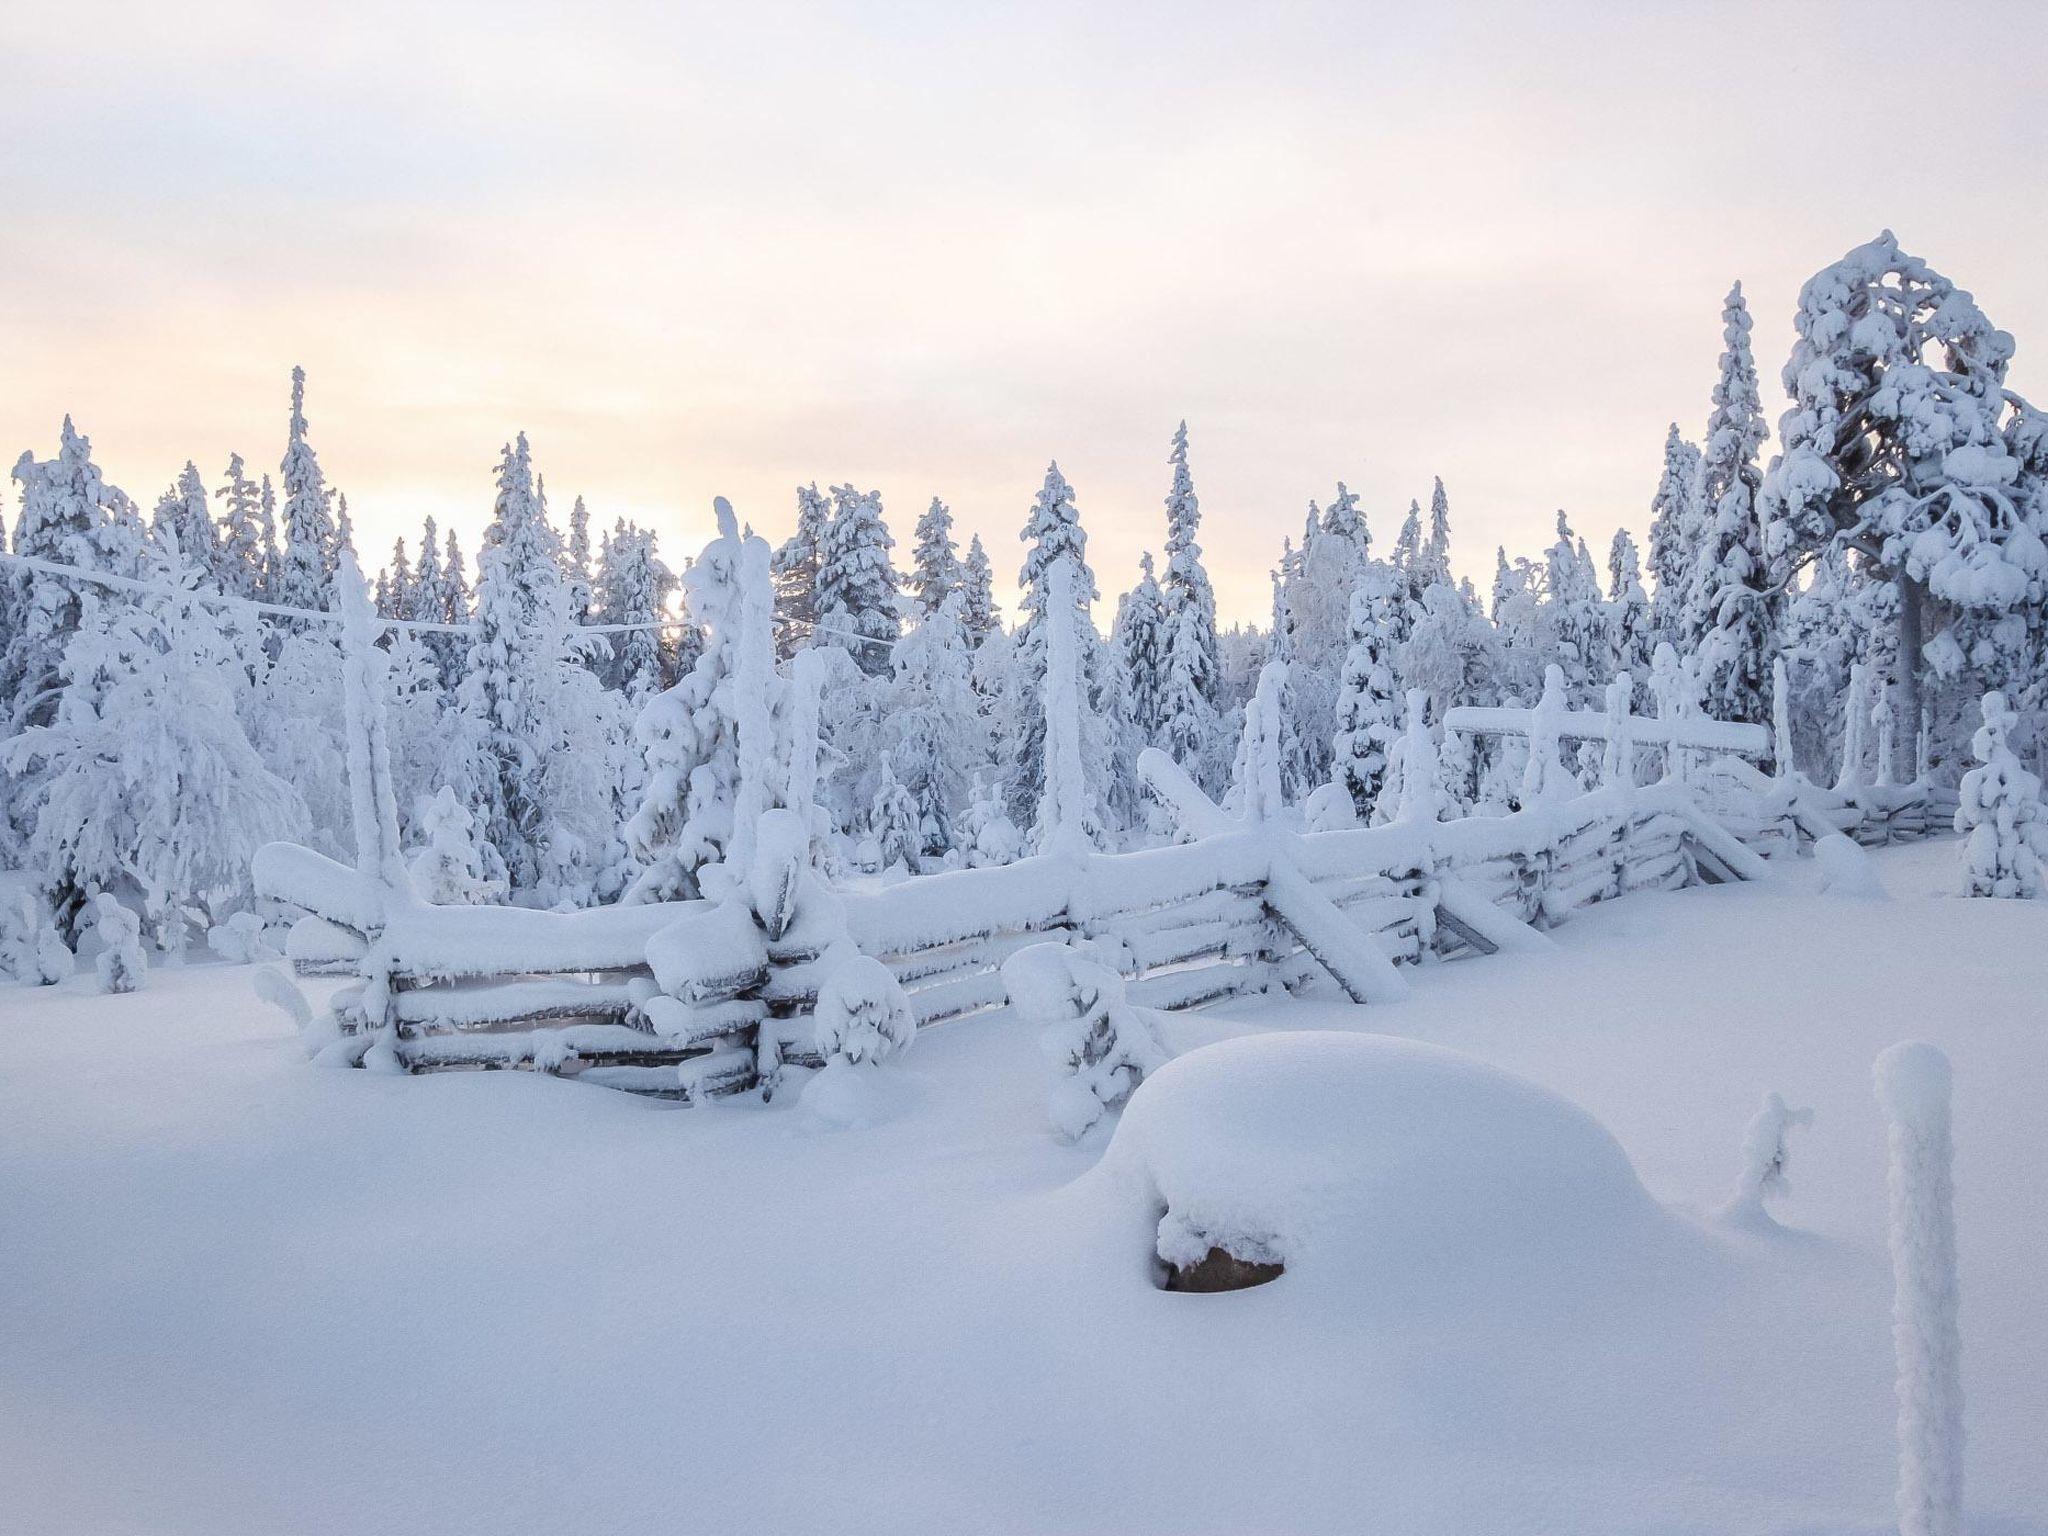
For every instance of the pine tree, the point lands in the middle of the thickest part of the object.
(1140, 640)
(522, 621)
(1436, 554)
(936, 559)
(632, 588)
(1054, 534)
(576, 563)
(979, 616)
(273, 557)
(894, 822)
(305, 576)
(934, 719)
(1674, 536)
(2000, 813)
(1573, 621)
(1344, 519)
(1732, 606)
(398, 597)
(67, 510)
(1631, 639)
(1368, 716)
(1187, 693)
(796, 571)
(184, 516)
(242, 535)
(856, 583)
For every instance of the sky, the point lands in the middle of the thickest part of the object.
(925, 248)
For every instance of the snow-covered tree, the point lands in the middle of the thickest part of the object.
(304, 577)
(1413, 791)
(1733, 608)
(1674, 537)
(184, 520)
(397, 581)
(1573, 618)
(894, 822)
(453, 866)
(1054, 537)
(119, 965)
(979, 616)
(576, 571)
(862, 1016)
(1187, 707)
(1368, 716)
(1140, 641)
(1766, 1150)
(2000, 813)
(1631, 635)
(796, 571)
(143, 782)
(66, 518)
(32, 951)
(935, 569)
(933, 721)
(633, 586)
(1904, 443)
(1435, 563)
(991, 838)
(241, 532)
(1103, 1045)
(1544, 777)
(522, 624)
(1069, 806)
(856, 582)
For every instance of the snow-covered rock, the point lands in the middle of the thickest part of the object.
(1381, 1164)
(1845, 869)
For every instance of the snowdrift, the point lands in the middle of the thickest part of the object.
(1385, 1168)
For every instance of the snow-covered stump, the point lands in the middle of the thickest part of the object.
(1913, 1086)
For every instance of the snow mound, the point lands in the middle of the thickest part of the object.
(1386, 1164)
(1845, 869)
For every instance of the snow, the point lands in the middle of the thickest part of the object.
(248, 1297)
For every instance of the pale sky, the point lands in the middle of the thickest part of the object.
(927, 247)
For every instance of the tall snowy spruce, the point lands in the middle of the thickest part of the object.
(183, 521)
(933, 721)
(1631, 633)
(305, 574)
(1139, 638)
(935, 560)
(1573, 618)
(1191, 686)
(1674, 538)
(1368, 714)
(2000, 814)
(1904, 443)
(241, 532)
(576, 569)
(856, 582)
(633, 586)
(796, 571)
(1733, 606)
(979, 615)
(1053, 534)
(66, 518)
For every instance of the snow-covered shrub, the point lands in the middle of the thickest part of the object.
(862, 1016)
(1912, 1080)
(120, 963)
(1999, 812)
(240, 940)
(1104, 1045)
(894, 824)
(1765, 1151)
(1845, 869)
(992, 838)
(32, 948)
(454, 866)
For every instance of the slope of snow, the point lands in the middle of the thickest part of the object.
(246, 1296)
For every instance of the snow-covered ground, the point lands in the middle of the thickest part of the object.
(238, 1294)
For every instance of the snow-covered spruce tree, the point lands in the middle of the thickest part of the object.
(304, 577)
(1054, 535)
(31, 949)
(241, 532)
(1413, 791)
(690, 732)
(1435, 562)
(979, 615)
(1573, 618)
(266, 522)
(344, 528)
(862, 1016)
(144, 783)
(796, 571)
(183, 521)
(522, 622)
(1104, 1046)
(1674, 537)
(1367, 713)
(1344, 518)
(1631, 635)
(2000, 813)
(66, 516)
(1190, 687)
(1069, 816)
(1544, 778)
(397, 580)
(1913, 1088)
(1734, 606)
(992, 839)
(933, 720)
(1258, 791)
(576, 570)
(1904, 443)
(935, 568)
(894, 823)
(453, 866)
(856, 583)
(119, 965)
(1140, 640)
(633, 586)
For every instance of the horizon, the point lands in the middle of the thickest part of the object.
(728, 256)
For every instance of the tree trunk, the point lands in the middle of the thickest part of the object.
(1906, 722)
